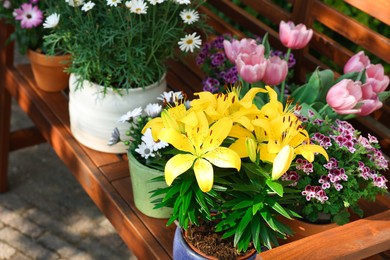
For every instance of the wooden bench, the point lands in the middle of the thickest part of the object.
(105, 177)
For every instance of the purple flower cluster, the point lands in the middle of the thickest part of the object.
(213, 61)
(315, 192)
(291, 176)
(367, 174)
(322, 140)
(304, 166)
(345, 138)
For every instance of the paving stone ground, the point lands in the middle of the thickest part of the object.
(47, 215)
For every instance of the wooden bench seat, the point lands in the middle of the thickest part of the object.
(105, 177)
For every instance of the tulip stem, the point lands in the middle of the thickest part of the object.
(287, 57)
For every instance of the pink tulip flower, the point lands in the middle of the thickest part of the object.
(357, 63)
(344, 96)
(375, 75)
(369, 101)
(232, 49)
(276, 71)
(251, 67)
(294, 37)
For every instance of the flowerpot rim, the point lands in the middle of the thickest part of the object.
(112, 90)
(51, 58)
(134, 160)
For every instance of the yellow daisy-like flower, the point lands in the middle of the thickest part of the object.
(202, 147)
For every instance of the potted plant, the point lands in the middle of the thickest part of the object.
(331, 189)
(145, 155)
(31, 24)
(119, 51)
(224, 170)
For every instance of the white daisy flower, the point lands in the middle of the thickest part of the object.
(147, 138)
(113, 2)
(154, 2)
(128, 4)
(189, 16)
(115, 137)
(75, 2)
(153, 110)
(138, 7)
(88, 6)
(170, 96)
(183, 2)
(51, 21)
(131, 115)
(189, 42)
(145, 151)
(7, 4)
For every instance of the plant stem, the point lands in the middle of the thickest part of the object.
(284, 81)
(323, 109)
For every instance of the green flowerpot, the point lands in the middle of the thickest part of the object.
(141, 177)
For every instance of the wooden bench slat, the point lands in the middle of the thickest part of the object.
(379, 9)
(355, 240)
(25, 137)
(352, 30)
(266, 7)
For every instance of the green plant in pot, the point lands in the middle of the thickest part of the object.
(146, 155)
(227, 158)
(119, 57)
(31, 24)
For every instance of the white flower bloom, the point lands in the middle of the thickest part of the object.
(113, 2)
(154, 2)
(75, 2)
(138, 7)
(170, 96)
(7, 4)
(189, 42)
(145, 151)
(153, 110)
(131, 115)
(147, 138)
(183, 2)
(189, 16)
(51, 21)
(88, 6)
(128, 4)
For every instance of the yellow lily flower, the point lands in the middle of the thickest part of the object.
(282, 162)
(202, 147)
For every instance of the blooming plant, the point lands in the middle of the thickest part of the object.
(142, 146)
(28, 19)
(124, 44)
(352, 172)
(228, 156)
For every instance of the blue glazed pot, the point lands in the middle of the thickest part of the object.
(181, 251)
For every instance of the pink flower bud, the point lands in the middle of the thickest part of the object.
(251, 67)
(344, 96)
(276, 71)
(294, 37)
(357, 63)
(375, 75)
(232, 49)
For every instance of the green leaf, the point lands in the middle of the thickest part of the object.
(326, 82)
(243, 224)
(265, 237)
(267, 47)
(187, 198)
(243, 204)
(255, 228)
(309, 92)
(199, 196)
(277, 207)
(275, 186)
(384, 95)
(185, 185)
(172, 192)
(256, 207)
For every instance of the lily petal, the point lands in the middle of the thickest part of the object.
(308, 150)
(177, 165)
(224, 158)
(178, 140)
(204, 174)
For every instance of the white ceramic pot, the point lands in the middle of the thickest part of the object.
(94, 115)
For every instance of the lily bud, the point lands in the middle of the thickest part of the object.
(282, 162)
(251, 148)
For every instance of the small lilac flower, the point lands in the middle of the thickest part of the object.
(380, 182)
(217, 59)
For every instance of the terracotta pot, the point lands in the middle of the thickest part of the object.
(304, 229)
(49, 71)
(142, 185)
(185, 251)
